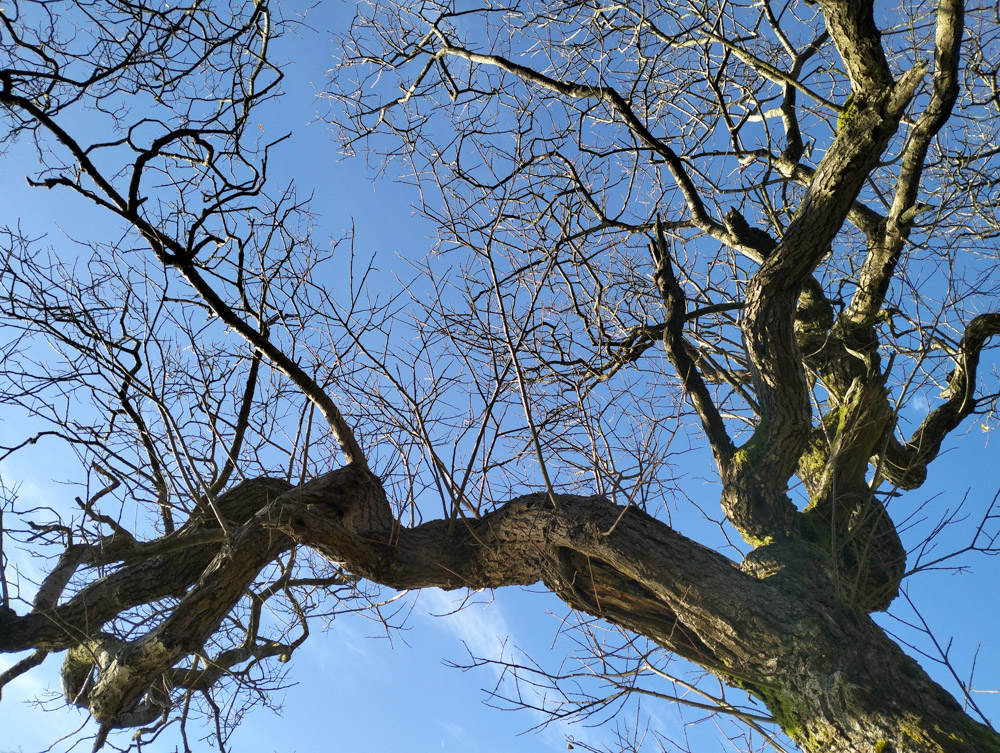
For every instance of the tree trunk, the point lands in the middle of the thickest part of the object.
(777, 626)
(844, 686)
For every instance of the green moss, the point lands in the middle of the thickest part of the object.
(751, 454)
(746, 457)
(788, 712)
(973, 736)
(815, 458)
(814, 528)
(848, 113)
(977, 737)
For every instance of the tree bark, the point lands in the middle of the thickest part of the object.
(774, 625)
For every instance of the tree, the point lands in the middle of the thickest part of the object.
(759, 229)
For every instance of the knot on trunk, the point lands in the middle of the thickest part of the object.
(353, 496)
(340, 514)
(121, 684)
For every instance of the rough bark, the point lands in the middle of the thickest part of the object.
(790, 623)
(777, 625)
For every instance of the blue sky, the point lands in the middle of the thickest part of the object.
(358, 689)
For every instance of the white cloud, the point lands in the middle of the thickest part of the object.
(918, 405)
(482, 626)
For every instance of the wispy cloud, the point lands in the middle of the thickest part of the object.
(919, 406)
(482, 626)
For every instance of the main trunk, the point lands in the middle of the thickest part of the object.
(830, 676)
(775, 624)
(844, 686)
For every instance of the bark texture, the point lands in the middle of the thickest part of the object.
(778, 625)
(807, 369)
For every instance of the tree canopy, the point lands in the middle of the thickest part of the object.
(674, 242)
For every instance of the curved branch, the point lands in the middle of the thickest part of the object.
(622, 565)
(755, 498)
(616, 102)
(777, 75)
(905, 465)
(27, 663)
(174, 253)
(618, 564)
(673, 339)
(151, 571)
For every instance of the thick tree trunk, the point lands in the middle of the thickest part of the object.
(845, 687)
(830, 676)
(775, 624)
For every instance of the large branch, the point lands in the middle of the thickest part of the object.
(616, 563)
(780, 637)
(755, 500)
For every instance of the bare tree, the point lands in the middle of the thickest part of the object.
(751, 231)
